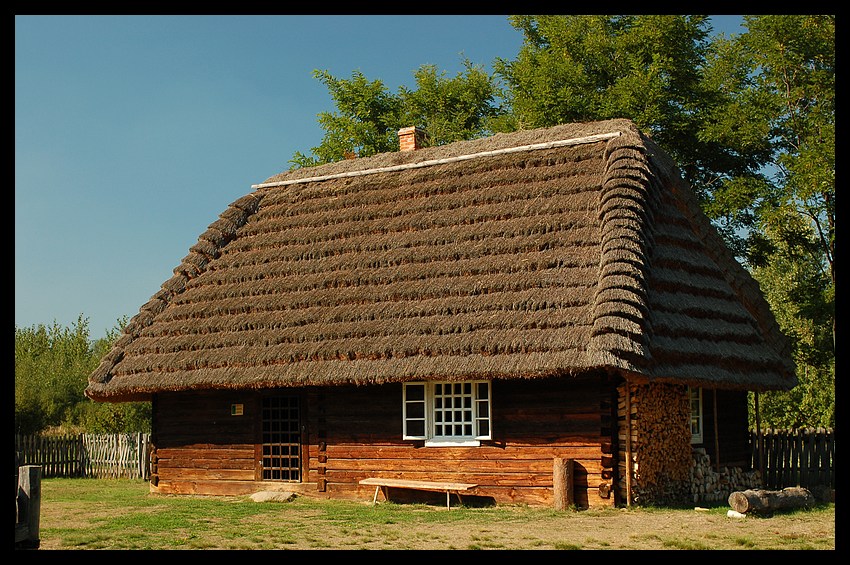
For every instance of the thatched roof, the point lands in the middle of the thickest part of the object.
(541, 253)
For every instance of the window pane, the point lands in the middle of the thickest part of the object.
(416, 410)
(416, 427)
(414, 391)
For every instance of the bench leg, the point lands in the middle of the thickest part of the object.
(375, 498)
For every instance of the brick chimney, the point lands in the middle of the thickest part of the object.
(410, 139)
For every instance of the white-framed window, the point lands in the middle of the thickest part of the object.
(695, 395)
(447, 413)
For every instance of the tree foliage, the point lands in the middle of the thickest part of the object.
(780, 75)
(52, 365)
(780, 80)
(368, 116)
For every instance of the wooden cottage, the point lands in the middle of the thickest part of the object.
(494, 314)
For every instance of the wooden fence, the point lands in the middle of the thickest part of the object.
(795, 457)
(87, 455)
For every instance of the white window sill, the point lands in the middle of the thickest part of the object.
(452, 443)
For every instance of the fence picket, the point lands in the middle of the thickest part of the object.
(802, 457)
(87, 455)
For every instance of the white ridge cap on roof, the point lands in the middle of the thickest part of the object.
(543, 145)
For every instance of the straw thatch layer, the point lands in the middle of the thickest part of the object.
(522, 264)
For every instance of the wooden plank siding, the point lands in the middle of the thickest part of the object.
(353, 433)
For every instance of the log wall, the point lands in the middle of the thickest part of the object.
(533, 422)
(351, 433)
(199, 448)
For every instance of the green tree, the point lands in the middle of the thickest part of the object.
(364, 123)
(780, 74)
(368, 116)
(450, 109)
(52, 365)
(803, 301)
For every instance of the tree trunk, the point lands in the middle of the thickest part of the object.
(766, 501)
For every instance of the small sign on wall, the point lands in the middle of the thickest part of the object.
(236, 409)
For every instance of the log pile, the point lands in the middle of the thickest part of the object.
(708, 485)
(665, 468)
(659, 440)
(769, 501)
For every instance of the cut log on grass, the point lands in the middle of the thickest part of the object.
(767, 501)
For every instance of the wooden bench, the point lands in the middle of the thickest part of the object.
(382, 484)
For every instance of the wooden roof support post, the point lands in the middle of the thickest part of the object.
(716, 439)
(629, 466)
(759, 438)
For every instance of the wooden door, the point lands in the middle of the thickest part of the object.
(281, 438)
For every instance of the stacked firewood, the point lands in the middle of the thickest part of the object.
(709, 485)
(659, 442)
(665, 469)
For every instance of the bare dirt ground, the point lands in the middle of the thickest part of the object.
(610, 529)
(290, 526)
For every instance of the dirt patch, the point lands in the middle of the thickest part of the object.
(291, 526)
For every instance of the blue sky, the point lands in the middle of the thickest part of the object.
(133, 133)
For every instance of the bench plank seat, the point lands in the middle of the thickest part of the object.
(438, 486)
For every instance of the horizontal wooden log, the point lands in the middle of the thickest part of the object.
(350, 450)
(514, 480)
(229, 488)
(206, 463)
(766, 501)
(190, 474)
(204, 448)
(541, 466)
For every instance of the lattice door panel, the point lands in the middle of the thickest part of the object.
(281, 438)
